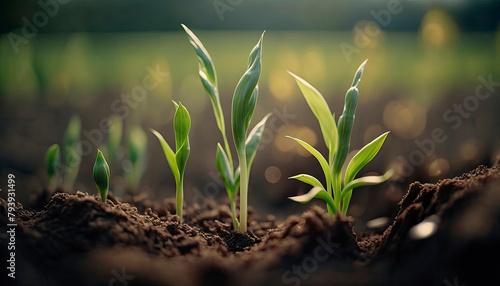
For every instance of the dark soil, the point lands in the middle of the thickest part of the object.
(77, 240)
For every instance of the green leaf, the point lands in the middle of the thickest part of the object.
(363, 157)
(245, 97)
(365, 181)
(320, 108)
(253, 140)
(237, 180)
(52, 160)
(224, 168)
(208, 76)
(182, 125)
(317, 155)
(169, 155)
(358, 74)
(318, 193)
(205, 61)
(308, 179)
(101, 175)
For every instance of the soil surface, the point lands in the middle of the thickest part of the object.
(444, 234)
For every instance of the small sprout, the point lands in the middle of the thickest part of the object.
(72, 152)
(337, 194)
(101, 175)
(244, 102)
(114, 138)
(177, 161)
(52, 161)
(137, 149)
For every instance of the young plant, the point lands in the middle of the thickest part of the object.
(72, 153)
(137, 151)
(177, 161)
(52, 161)
(114, 138)
(243, 106)
(101, 175)
(337, 194)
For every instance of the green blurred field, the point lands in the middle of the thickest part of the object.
(81, 67)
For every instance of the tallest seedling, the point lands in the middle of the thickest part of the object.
(244, 101)
(243, 106)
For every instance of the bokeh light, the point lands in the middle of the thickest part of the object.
(273, 174)
(405, 118)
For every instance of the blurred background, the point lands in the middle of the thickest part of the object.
(432, 79)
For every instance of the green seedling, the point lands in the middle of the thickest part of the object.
(243, 106)
(337, 194)
(72, 152)
(177, 161)
(114, 138)
(52, 162)
(137, 150)
(101, 175)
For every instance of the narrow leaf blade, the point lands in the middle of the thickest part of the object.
(308, 179)
(182, 125)
(52, 160)
(225, 170)
(254, 139)
(322, 161)
(245, 97)
(363, 157)
(365, 181)
(319, 107)
(358, 74)
(169, 155)
(205, 61)
(318, 193)
(208, 76)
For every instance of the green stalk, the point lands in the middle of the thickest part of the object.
(243, 190)
(232, 203)
(179, 198)
(329, 190)
(228, 150)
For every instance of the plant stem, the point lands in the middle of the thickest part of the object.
(337, 186)
(236, 224)
(179, 197)
(243, 190)
(228, 151)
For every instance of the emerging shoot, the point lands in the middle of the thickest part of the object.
(337, 193)
(137, 151)
(52, 161)
(101, 175)
(177, 161)
(243, 106)
(114, 138)
(72, 152)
